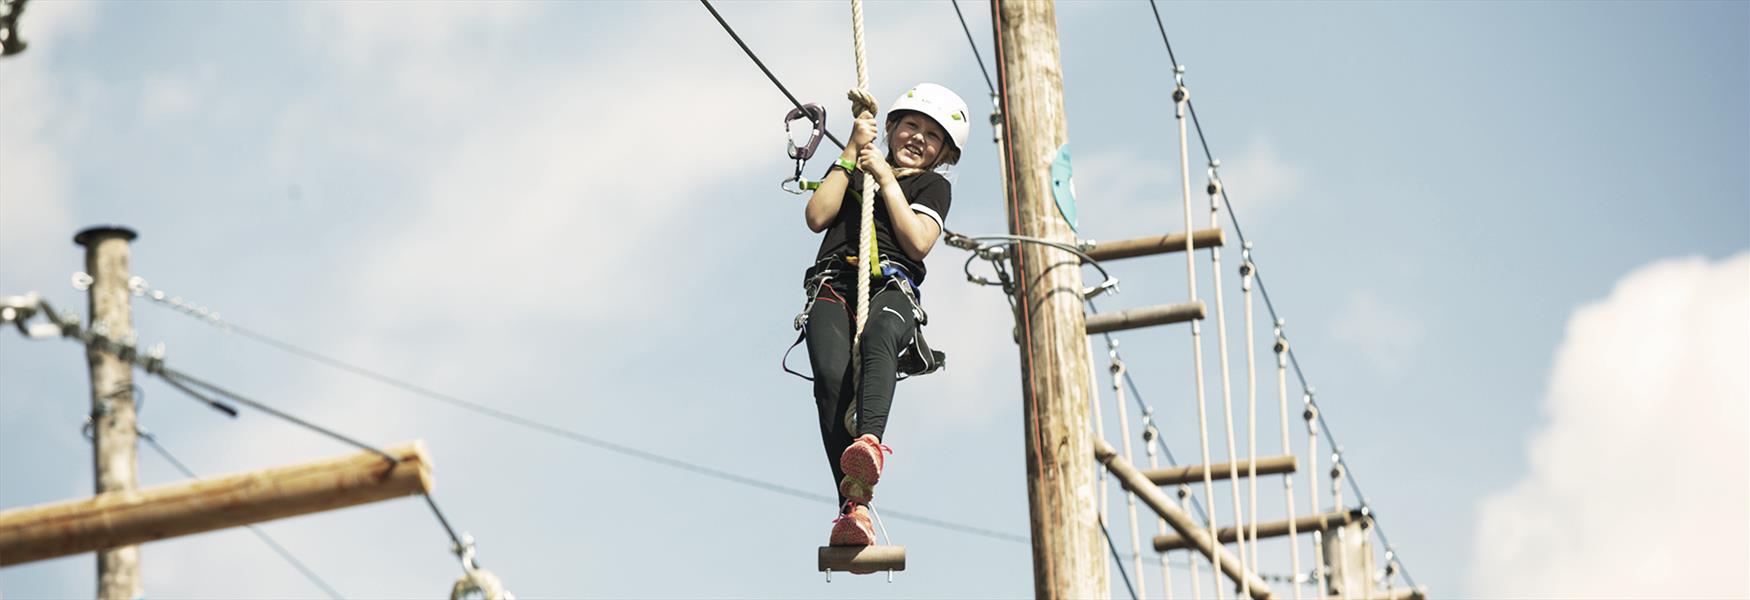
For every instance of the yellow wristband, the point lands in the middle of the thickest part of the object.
(848, 165)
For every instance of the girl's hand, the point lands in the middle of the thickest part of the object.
(873, 163)
(864, 130)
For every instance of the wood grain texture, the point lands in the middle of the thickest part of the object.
(137, 516)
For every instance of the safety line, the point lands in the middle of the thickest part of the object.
(265, 538)
(575, 436)
(762, 66)
(975, 55)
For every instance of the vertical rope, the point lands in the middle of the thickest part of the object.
(1129, 498)
(1227, 406)
(1312, 493)
(1149, 433)
(1191, 555)
(1251, 394)
(1287, 478)
(1180, 95)
(1342, 549)
(866, 256)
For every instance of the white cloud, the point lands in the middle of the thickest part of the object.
(34, 217)
(171, 95)
(1637, 487)
(1384, 333)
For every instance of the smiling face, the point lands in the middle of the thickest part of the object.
(915, 141)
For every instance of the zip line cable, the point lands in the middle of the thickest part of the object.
(1233, 217)
(265, 538)
(975, 55)
(560, 432)
(762, 66)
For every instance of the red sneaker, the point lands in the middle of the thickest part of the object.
(853, 528)
(862, 464)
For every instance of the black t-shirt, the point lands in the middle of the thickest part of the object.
(928, 194)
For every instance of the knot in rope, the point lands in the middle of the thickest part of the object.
(862, 100)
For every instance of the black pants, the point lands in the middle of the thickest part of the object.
(831, 326)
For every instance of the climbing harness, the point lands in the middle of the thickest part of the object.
(915, 358)
(816, 115)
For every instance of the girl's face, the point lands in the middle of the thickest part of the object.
(915, 141)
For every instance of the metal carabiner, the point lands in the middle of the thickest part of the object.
(813, 112)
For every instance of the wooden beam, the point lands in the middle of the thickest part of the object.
(1155, 244)
(1307, 524)
(1156, 499)
(862, 558)
(1145, 317)
(1193, 473)
(1403, 593)
(166, 511)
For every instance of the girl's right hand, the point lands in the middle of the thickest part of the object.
(863, 132)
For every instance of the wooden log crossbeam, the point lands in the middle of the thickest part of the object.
(1175, 517)
(1144, 317)
(1273, 465)
(132, 517)
(1154, 244)
(844, 559)
(1324, 522)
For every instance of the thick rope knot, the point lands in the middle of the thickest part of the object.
(862, 100)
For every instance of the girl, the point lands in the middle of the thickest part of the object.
(926, 129)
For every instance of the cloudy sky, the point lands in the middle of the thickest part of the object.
(1510, 242)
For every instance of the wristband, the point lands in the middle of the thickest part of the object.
(848, 165)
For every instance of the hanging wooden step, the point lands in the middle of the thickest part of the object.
(1273, 465)
(1154, 244)
(844, 559)
(1144, 317)
(1322, 522)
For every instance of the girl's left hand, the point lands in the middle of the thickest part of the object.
(873, 163)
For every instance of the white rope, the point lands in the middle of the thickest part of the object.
(1180, 96)
(1287, 478)
(866, 258)
(1129, 498)
(1149, 433)
(1312, 492)
(1227, 406)
(1251, 393)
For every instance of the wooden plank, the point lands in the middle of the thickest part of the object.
(1175, 517)
(862, 558)
(1194, 473)
(138, 516)
(1306, 524)
(1155, 244)
(1145, 317)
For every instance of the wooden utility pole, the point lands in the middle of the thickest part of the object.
(1069, 559)
(114, 436)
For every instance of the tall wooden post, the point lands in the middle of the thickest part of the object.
(114, 436)
(1068, 553)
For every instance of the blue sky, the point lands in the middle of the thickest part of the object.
(568, 211)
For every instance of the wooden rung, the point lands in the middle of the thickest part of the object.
(1144, 317)
(1154, 244)
(844, 559)
(1322, 522)
(125, 518)
(1194, 473)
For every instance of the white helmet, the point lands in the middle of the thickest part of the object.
(941, 104)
